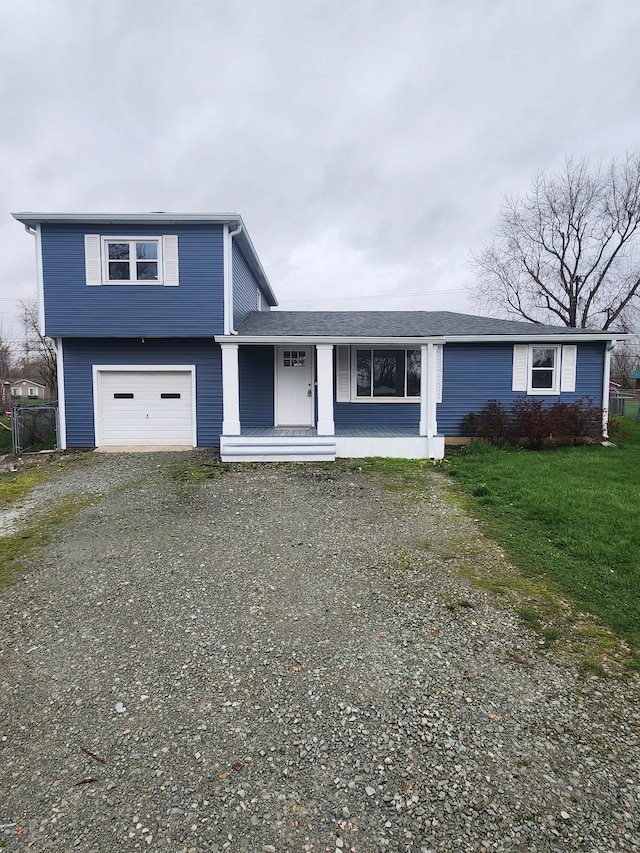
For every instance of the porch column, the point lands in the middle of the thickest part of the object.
(428, 390)
(324, 368)
(230, 390)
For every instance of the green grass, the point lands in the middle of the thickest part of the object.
(568, 517)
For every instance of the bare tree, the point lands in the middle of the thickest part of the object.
(569, 251)
(39, 351)
(6, 367)
(625, 360)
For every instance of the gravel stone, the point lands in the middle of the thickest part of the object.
(285, 658)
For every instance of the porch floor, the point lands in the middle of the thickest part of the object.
(345, 432)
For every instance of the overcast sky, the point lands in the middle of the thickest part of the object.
(367, 144)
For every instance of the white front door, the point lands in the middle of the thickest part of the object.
(294, 386)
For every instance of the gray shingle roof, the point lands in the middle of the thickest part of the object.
(404, 324)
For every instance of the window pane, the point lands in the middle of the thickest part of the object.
(388, 373)
(118, 251)
(147, 251)
(542, 378)
(118, 270)
(147, 271)
(543, 357)
(363, 373)
(413, 373)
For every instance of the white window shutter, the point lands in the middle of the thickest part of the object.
(439, 351)
(92, 259)
(568, 375)
(170, 253)
(343, 389)
(520, 357)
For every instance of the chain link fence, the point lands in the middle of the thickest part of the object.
(35, 428)
(625, 405)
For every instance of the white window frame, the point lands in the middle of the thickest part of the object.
(104, 246)
(97, 259)
(258, 300)
(354, 398)
(16, 392)
(32, 392)
(555, 386)
(564, 369)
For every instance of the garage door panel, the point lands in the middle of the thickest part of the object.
(146, 407)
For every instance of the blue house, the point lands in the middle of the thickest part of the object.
(166, 337)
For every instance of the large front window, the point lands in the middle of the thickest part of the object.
(383, 374)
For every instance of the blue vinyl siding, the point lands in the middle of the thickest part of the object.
(245, 288)
(401, 415)
(473, 374)
(82, 353)
(194, 308)
(256, 367)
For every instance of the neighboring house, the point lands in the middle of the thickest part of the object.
(26, 389)
(166, 336)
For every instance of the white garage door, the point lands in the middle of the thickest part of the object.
(140, 407)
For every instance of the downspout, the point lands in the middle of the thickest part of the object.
(229, 276)
(605, 387)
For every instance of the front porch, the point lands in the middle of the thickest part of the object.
(305, 406)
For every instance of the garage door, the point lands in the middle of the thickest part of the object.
(145, 407)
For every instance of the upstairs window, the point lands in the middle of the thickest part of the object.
(131, 260)
(386, 374)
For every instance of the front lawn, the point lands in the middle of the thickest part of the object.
(571, 515)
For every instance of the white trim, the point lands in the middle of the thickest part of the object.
(40, 280)
(92, 260)
(424, 404)
(343, 374)
(230, 390)
(396, 447)
(62, 414)
(170, 260)
(568, 369)
(557, 359)
(104, 258)
(324, 373)
(606, 376)
(432, 391)
(439, 352)
(520, 367)
(415, 342)
(354, 398)
(144, 368)
(226, 284)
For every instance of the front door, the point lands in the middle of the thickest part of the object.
(294, 386)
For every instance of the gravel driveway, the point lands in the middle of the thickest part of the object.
(284, 658)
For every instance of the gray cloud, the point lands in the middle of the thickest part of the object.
(366, 144)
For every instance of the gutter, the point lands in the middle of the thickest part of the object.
(605, 387)
(228, 275)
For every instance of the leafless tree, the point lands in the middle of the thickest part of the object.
(6, 367)
(625, 360)
(39, 351)
(569, 251)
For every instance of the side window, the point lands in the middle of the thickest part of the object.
(544, 369)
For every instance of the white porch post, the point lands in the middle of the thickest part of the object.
(324, 367)
(230, 390)
(428, 390)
